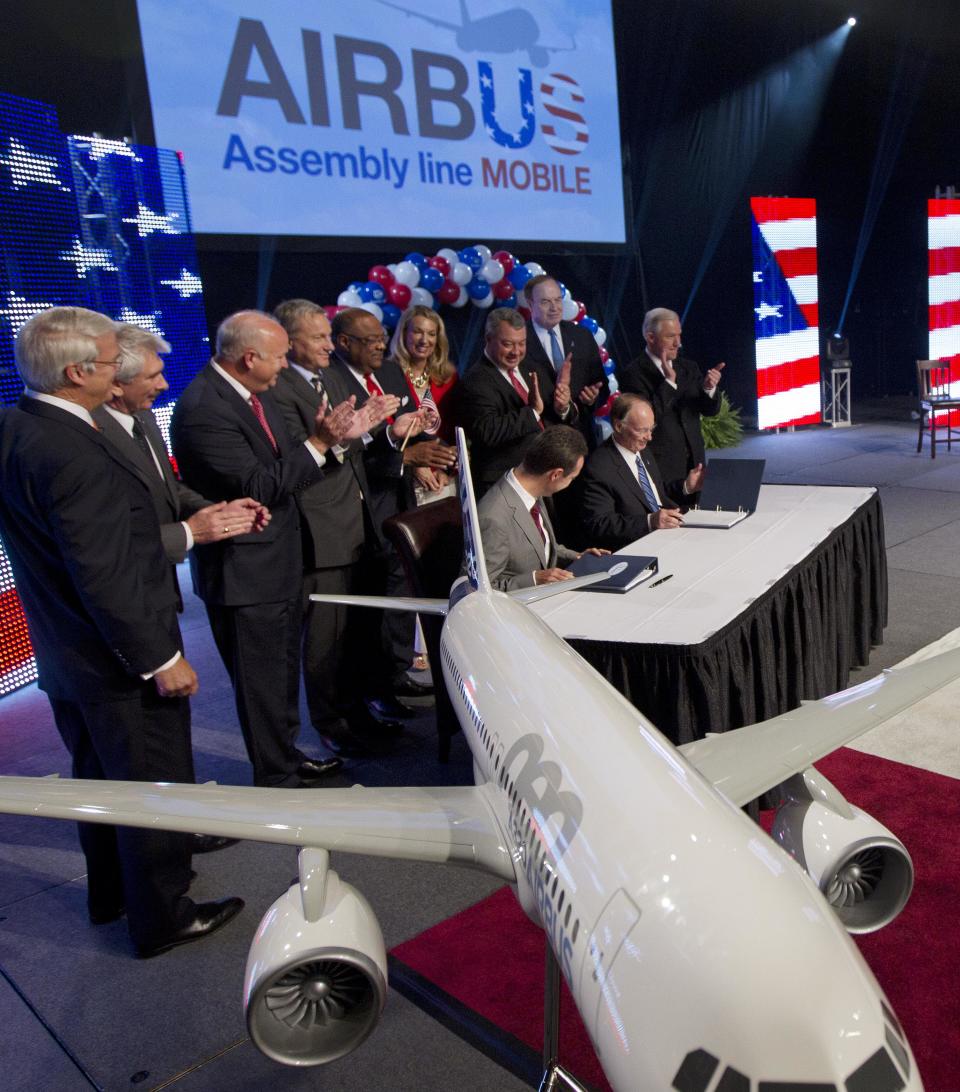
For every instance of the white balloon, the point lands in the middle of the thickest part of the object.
(483, 251)
(486, 302)
(491, 271)
(600, 336)
(374, 309)
(570, 308)
(451, 255)
(567, 294)
(612, 384)
(461, 300)
(461, 273)
(421, 297)
(407, 273)
(349, 298)
(392, 266)
(535, 269)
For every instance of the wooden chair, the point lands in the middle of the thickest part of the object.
(429, 540)
(933, 385)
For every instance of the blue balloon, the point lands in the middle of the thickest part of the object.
(365, 291)
(590, 323)
(562, 287)
(391, 315)
(431, 279)
(510, 301)
(478, 289)
(377, 294)
(518, 276)
(355, 286)
(472, 257)
(609, 367)
(418, 260)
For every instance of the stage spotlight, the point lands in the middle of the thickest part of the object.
(852, 21)
(838, 350)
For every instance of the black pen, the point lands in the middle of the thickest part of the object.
(662, 580)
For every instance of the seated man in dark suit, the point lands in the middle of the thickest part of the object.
(82, 535)
(519, 545)
(500, 404)
(678, 392)
(552, 342)
(230, 440)
(621, 492)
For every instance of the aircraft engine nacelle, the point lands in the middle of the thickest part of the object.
(863, 870)
(316, 982)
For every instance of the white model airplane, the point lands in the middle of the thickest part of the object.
(701, 955)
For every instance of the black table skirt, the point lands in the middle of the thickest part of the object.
(798, 641)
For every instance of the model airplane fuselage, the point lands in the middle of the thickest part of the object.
(699, 954)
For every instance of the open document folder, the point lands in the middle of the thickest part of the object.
(730, 491)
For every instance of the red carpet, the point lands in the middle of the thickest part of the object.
(481, 972)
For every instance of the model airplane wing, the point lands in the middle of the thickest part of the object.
(432, 20)
(387, 602)
(422, 824)
(747, 762)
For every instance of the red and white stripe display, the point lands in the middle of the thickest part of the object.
(943, 288)
(786, 306)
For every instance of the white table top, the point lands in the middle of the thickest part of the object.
(717, 574)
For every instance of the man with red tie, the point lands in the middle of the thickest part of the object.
(500, 405)
(230, 440)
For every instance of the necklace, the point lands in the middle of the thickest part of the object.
(419, 381)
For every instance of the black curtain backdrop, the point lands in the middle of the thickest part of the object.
(717, 103)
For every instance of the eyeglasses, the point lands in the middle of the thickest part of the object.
(368, 342)
(644, 431)
(110, 363)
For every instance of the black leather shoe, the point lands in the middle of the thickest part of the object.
(312, 769)
(408, 687)
(210, 843)
(389, 709)
(346, 746)
(103, 915)
(207, 918)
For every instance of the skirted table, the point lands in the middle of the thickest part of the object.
(753, 620)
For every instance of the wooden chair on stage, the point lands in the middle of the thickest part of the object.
(429, 540)
(933, 385)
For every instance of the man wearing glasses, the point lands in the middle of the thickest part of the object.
(622, 493)
(101, 602)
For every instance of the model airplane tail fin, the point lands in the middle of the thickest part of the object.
(476, 565)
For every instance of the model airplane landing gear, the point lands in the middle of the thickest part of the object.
(555, 1077)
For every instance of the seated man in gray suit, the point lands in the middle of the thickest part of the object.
(518, 540)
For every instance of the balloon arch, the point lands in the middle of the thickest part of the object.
(457, 277)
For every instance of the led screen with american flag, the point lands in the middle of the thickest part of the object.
(943, 287)
(785, 303)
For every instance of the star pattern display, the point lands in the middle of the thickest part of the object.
(148, 321)
(186, 285)
(17, 309)
(148, 221)
(86, 258)
(30, 169)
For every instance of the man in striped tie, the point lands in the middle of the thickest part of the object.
(622, 493)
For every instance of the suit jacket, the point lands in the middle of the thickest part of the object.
(586, 369)
(678, 443)
(174, 501)
(613, 512)
(223, 453)
(332, 509)
(389, 488)
(83, 539)
(499, 426)
(511, 542)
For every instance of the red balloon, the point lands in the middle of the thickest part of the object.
(381, 275)
(507, 260)
(503, 290)
(399, 295)
(524, 310)
(330, 310)
(581, 310)
(436, 262)
(604, 355)
(448, 292)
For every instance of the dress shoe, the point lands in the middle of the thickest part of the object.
(210, 843)
(345, 746)
(389, 709)
(313, 769)
(103, 915)
(207, 918)
(408, 687)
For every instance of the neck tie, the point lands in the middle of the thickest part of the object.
(556, 349)
(317, 384)
(140, 439)
(257, 406)
(649, 497)
(519, 387)
(374, 388)
(535, 514)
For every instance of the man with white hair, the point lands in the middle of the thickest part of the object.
(230, 440)
(101, 603)
(679, 393)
